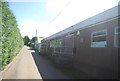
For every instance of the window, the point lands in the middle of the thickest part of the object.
(117, 37)
(99, 38)
(59, 43)
(52, 43)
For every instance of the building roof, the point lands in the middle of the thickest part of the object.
(108, 14)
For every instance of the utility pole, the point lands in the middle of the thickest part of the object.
(32, 35)
(36, 32)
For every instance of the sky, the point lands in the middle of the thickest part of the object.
(51, 16)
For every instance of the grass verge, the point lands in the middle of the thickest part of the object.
(70, 71)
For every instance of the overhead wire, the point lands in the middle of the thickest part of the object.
(59, 13)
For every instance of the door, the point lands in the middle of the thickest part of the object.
(69, 44)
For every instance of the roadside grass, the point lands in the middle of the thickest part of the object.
(69, 70)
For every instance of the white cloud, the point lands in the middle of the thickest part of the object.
(79, 10)
(55, 6)
(76, 11)
(28, 27)
(24, 0)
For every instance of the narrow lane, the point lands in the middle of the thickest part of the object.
(22, 67)
(30, 65)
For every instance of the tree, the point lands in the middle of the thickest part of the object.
(26, 40)
(33, 40)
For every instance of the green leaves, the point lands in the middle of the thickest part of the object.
(11, 38)
(26, 40)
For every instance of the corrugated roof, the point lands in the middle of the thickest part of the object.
(108, 14)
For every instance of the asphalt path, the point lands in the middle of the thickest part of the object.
(30, 65)
(22, 67)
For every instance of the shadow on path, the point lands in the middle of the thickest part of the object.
(46, 70)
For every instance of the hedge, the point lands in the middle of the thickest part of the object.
(11, 39)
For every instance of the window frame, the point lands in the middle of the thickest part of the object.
(116, 45)
(52, 43)
(92, 36)
(57, 43)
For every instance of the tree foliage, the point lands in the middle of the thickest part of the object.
(26, 40)
(34, 39)
(11, 38)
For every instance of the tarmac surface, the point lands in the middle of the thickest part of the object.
(30, 65)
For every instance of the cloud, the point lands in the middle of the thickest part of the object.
(75, 12)
(55, 6)
(29, 27)
(23, 0)
(79, 10)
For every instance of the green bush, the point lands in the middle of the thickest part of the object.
(12, 41)
(26, 40)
